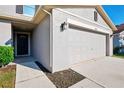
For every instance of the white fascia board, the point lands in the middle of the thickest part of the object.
(86, 26)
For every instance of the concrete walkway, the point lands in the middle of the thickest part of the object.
(86, 83)
(29, 75)
(106, 72)
(102, 72)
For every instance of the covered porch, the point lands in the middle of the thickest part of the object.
(22, 43)
(29, 36)
(32, 42)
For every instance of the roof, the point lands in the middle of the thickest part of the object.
(120, 28)
(106, 18)
(40, 14)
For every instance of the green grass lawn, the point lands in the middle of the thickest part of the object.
(119, 55)
(7, 77)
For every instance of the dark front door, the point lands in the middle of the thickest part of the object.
(22, 44)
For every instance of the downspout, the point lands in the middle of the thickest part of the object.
(51, 37)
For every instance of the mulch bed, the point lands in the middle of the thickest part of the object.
(7, 76)
(62, 79)
(65, 78)
(8, 68)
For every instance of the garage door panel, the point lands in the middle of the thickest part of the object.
(84, 45)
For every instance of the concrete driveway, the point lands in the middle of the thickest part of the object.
(106, 72)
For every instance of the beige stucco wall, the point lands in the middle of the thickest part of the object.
(10, 10)
(75, 45)
(109, 47)
(5, 33)
(87, 13)
(41, 43)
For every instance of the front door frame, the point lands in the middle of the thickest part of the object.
(29, 42)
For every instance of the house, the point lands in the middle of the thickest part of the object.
(57, 36)
(118, 39)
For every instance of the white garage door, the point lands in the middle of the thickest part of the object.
(85, 45)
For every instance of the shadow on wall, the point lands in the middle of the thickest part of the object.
(9, 42)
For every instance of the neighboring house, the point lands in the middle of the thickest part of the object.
(57, 36)
(118, 40)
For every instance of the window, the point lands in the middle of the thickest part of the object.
(28, 10)
(95, 16)
(19, 9)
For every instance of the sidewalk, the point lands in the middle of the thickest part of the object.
(29, 75)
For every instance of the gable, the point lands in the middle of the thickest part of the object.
(88, 13)
(99, 8)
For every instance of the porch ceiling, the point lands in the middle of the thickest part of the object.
(24, 25)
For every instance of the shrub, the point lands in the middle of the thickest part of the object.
(116, 50)
(6, 55)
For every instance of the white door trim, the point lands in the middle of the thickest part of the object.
(29, 42)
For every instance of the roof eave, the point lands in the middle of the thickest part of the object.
(98, 7)
(106, 17)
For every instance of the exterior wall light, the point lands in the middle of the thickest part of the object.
(64, 26)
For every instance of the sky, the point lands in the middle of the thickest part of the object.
(115, 12)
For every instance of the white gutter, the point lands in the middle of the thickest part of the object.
(51, 37)
(86, 26)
